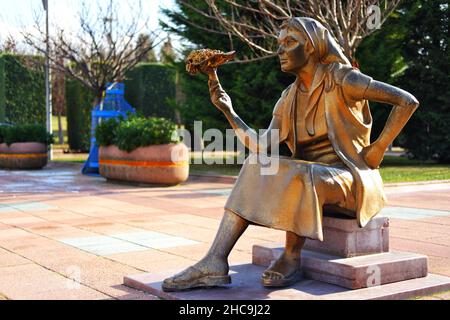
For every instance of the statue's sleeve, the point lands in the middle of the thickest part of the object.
(355, 84)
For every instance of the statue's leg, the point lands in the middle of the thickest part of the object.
(286, 270)
(213, 269)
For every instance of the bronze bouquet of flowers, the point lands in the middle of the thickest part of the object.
(199, 60)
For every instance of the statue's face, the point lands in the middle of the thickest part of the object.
(294, 50)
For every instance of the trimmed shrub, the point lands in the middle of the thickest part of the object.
(106, 131)
(2, 90)
(25, 133)
(79, 106)
(22, 88)
(134, 132)
(150, 87)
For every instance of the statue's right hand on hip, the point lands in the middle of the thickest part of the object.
(373, 155)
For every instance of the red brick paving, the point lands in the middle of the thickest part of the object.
(34, 264)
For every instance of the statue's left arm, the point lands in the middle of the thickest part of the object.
(404, 105)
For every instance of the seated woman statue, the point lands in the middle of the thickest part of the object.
(324, 119)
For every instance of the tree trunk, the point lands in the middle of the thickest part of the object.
(60, 128)
(98, 97)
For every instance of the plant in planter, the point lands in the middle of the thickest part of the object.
(24, 146)
(139, 149)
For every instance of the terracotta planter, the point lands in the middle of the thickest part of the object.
(166, 164)
(26, 155)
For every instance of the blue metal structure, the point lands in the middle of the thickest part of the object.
(113, 105)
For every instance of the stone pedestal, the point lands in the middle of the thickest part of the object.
(352, 257)
(246, 285)
(352, 273)
(351, 264)
(344, 238)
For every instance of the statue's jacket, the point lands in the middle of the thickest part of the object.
(349, 127)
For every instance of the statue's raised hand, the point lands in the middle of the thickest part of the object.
(218, 96)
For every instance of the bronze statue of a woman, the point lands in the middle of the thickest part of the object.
(324, 119)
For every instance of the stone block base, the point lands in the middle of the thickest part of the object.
(246, 285)
(344, 238)
(352, 273)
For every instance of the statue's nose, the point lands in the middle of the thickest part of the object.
(280, 50)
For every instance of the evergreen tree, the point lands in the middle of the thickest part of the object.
(167, 54)
(253, 87)
(145, 41)
(409, 51)
(380, 56)
(426, 52)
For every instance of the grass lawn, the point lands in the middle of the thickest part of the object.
(393, 170)
(56, 130)
(398, 169)
(70, 157)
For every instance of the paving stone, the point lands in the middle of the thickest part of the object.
(422, 247)
(8, 259)
(127, 242)
(420, 225)
(103, 245)
(439, 265)
(23, 221)
(151, 261)
(29, 206)
(411, 213)
(155, 240)
(37, 283)
(60, 203)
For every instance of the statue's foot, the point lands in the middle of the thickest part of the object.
(206, 273)
(283, 272)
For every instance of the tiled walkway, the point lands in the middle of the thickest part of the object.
(67, 236)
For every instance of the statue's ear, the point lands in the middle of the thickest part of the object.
(309, 47)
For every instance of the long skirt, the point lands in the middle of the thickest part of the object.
(290, 195)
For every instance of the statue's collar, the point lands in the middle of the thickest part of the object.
(319, 76)
(315, 93)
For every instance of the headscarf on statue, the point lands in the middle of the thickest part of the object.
(329, 56)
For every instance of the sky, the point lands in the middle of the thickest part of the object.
(17, 15)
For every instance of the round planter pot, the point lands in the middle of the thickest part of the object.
(24, 155)
(166, 164)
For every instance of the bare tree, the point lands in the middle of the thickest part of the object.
(145, 40)
(104, 48)
(10, 45)
(167, 53)
(256, 23)
(59, 98)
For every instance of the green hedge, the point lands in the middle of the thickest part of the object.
(25, 133)
(79, 102)
(134, 132)
(2, 90)
(150, 87)
(22, 89)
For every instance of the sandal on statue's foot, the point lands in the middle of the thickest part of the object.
(272, 278)
(281, 280)
(196, 279)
